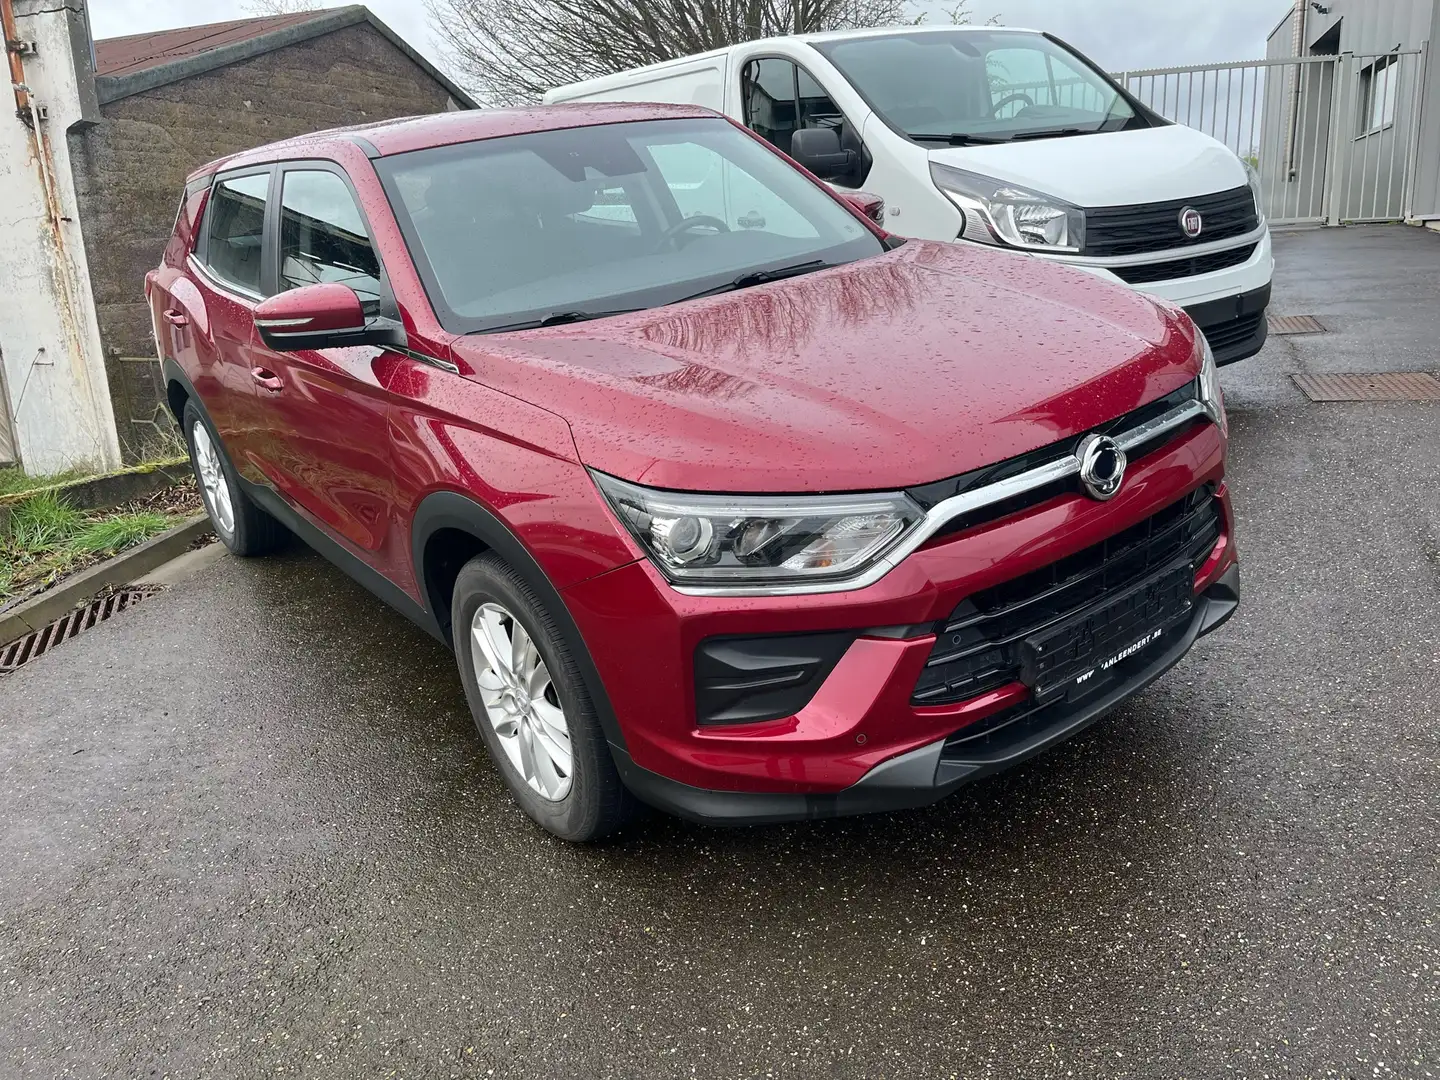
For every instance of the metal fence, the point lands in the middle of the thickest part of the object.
(1333, 138)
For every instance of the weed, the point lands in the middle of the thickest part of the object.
(44, 521)
(121, 531)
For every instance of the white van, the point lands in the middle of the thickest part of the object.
(1002, 137)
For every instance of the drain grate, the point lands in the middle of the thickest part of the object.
(1281, 325)
(1375, 386)
(70, 625)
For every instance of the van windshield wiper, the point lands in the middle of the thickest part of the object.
(1051, 133)
(759, 277)
(556, 318)
(960, 138)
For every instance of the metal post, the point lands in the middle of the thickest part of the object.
(1339, 149)
(1417, 105)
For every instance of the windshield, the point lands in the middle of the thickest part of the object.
(583, 221)
(989, 85)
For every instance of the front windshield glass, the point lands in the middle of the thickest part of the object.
(582, 221)
(987, 85)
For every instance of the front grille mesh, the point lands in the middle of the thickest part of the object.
(1185, 268)
(1137, 230)
(978, 649)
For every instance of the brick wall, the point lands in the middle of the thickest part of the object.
(130, 169)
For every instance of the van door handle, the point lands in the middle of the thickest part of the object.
(268, 379)
(176, 318)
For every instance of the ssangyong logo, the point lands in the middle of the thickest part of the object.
(1191, 223)
(1102, 466)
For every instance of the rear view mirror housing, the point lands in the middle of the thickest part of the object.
(819, 150)
(323, 316)
(871, 206)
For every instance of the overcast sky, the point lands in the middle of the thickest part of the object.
(1117, 34)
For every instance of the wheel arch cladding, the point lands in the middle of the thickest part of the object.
(447, 531)
(177, 389)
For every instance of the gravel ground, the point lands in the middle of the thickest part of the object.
(248, 829)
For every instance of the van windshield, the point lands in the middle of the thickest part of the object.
(979, 86)
(577, 223)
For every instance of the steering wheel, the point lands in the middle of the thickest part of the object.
(684, 225)
(1008, 99)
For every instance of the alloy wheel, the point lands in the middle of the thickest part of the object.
(521, 702)
(213, 485)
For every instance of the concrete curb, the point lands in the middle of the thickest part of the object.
(127, 567)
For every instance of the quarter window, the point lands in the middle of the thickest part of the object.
(236, 230)
(323, 237)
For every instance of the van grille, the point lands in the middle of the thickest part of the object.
(1137, 230)
(980, 647)
(1185, 268)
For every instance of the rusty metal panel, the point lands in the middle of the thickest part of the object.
(1372, 386)
(1296, 324)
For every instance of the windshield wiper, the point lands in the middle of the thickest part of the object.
(759, 277)
(1051, 133)
(960, 138)
(556, 318)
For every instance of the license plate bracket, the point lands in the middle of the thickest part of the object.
(1072, 655)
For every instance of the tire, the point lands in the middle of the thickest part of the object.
(517, 718)
(242, 526)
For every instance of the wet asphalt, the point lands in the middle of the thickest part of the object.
(247, 828)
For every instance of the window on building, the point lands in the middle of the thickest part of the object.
(236, 228)
(323, 237)
(1379, 88)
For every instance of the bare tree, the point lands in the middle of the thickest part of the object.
(511, 51)
(279, 7)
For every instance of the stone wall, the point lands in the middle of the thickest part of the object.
(130, 172)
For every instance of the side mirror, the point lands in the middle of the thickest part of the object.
(324, 316)
(872, 206)
(818, 149)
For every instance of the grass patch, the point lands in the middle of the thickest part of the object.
(48, 540)
(43, 522)
(119, 532)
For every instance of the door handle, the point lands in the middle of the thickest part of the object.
(268, 379)
(176, 318)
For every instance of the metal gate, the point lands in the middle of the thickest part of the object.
(1333, 138)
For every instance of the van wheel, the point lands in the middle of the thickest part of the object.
(531, 706)
(241, 525)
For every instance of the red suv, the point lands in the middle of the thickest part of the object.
(726, 499)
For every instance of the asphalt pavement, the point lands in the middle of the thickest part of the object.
(247, 828)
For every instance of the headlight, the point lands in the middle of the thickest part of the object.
(748, 540)
(1017, 216)
(1210, 394)
(1255, 189)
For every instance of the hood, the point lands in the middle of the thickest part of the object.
(902, 369)
(1113, 168)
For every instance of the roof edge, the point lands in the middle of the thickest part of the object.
(115, 87)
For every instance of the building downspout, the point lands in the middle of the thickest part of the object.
(1292, 122)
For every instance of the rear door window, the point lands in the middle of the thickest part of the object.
(323, 237)
(235, 230)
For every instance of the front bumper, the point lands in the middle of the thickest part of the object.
(931, 772)
(644, 637)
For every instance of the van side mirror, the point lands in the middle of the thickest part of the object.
(818, 149)
(323, 316)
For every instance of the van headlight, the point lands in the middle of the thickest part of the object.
(1211, 395)
(1256, 189)
(750, 540)
(1014, 215)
